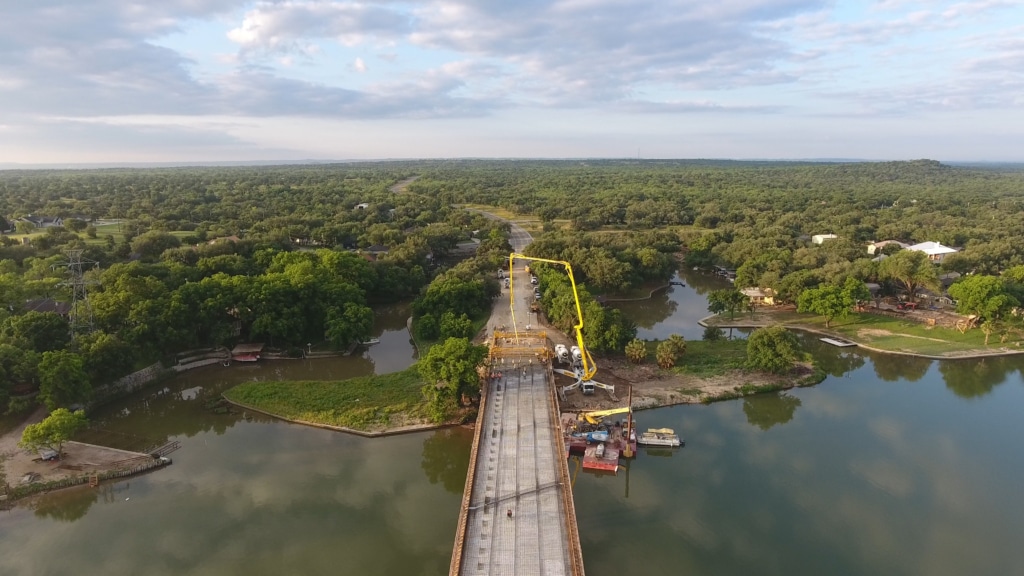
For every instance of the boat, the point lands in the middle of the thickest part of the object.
(659, 437)
(370, 342)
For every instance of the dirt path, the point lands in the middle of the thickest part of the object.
(400, 187)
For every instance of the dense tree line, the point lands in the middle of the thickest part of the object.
(201, 256)
(207, 257)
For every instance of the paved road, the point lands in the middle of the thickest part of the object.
(518, 237)
(517, 462)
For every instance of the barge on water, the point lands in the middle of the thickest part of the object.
(600, 445)
(659, 437)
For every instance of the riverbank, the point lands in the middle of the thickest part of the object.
(880, 334)
(24, 473)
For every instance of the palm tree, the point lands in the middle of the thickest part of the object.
(666, 355)
(636, 350)
(678, 344)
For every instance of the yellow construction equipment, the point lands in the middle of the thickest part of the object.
(596, 416)
(589, 368)
(584, 367)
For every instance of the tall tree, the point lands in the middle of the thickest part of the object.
(727, 300)
(53, 431)
(829, 301)
(450, 372)
(912, 270)
(62, 379)
(983, 296)
(772, 349)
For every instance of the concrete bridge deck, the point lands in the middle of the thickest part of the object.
(518, 464)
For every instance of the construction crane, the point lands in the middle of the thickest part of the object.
(586, 369)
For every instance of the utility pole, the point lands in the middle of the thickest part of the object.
(81, 310)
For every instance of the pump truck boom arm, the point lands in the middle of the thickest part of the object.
(589, 367)
(595, 417)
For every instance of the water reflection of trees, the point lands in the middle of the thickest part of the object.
(977, 377)
(893, 367)
(649, 312)
(65, 505)
(838, 363)
(446, 458)
(767, 410)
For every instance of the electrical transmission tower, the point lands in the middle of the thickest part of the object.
(81, 310)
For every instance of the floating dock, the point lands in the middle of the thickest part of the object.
(838, 342)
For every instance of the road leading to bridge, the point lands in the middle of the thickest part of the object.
(518, 516)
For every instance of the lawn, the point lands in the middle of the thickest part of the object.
(368, 404)
(704, 358)
(884, 333)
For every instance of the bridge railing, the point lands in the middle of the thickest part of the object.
(571, 528)
(467, 495)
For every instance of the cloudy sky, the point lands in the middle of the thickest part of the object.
(214, 80)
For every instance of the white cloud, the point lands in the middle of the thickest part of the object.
(447, 59)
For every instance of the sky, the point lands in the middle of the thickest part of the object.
(128, 81)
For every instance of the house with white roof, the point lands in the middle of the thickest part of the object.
(935, 251)
(820, 238)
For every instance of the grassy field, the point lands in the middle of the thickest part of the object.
(705, 358)
(368, 404)
(884, 333)
(711, 358)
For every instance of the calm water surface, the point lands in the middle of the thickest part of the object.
(676, 309)
(891, 466)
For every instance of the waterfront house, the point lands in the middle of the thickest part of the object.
(760, 296)
(936, 252)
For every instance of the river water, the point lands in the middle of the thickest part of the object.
(676, 309)
(891, 466)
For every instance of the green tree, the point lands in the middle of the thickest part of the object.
(63, 379)
(636, 351)
(106, 357)
(772, 349)
(829, 301)
(450, 373)
(983, 296)
(75, 225)
(712, 334)
(727, 300)
(912, 270)
(53, 431)
(43, 331)
(153, 243)
(453, 326)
